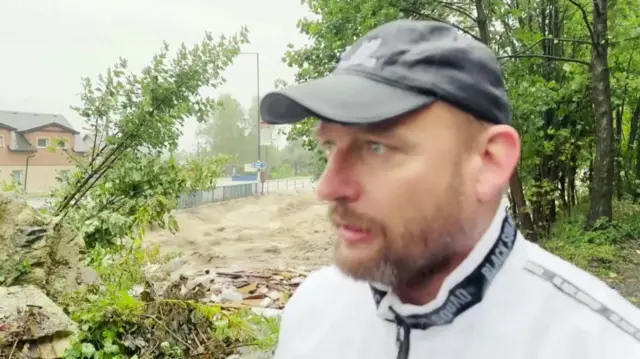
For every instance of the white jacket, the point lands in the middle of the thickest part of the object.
(509, 299)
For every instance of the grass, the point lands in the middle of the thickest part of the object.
(611, 252)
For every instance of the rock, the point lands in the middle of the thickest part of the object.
(266, 302)
(28, 236)
(28, 315)
(173, 265)
(24, 253)
(47, 348)
(87, 275)
(230, 295)
(34, 250)
(51, 320)
(205, 280)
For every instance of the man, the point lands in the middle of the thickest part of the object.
(416, 125)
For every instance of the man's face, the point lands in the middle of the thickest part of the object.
(401, 194)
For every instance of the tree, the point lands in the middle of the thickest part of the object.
(229, 131)
(296, 158)
(124, 183)
(601, 191)
(556, 71)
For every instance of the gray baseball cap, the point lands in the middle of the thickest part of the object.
(397, 68)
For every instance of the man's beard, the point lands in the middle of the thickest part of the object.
(424, 244)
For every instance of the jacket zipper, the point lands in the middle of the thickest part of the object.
(403, 336)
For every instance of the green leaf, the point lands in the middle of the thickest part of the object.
(88, 350)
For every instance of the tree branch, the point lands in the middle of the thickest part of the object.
(585, 18)
(430, 17)
(93, 177)
(556, 58)
(456, 8)
(528, 48)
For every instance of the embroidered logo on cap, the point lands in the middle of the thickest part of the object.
(362, 56)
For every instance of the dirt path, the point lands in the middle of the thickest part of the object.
(287, 230)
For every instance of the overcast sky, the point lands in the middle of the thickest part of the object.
(48, 45)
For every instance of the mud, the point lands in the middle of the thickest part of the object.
(289, 230)
(277, 230)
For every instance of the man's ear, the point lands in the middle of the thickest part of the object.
(498, 160)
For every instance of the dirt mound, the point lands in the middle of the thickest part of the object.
(284, 230)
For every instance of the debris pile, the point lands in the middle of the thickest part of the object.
(183, 312)
(264, 291)
(179, 301)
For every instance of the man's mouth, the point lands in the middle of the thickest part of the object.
(353, 234)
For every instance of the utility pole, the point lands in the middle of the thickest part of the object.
(258, 122)
(258, 99)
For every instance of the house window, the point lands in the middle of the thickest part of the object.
(43, 142)
(62, 143)
(17, 176)
(1, 141)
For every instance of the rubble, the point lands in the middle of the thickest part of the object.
(264, 291)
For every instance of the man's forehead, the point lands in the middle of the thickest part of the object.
(437, 121)
(387, 127)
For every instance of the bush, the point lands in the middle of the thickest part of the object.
(116, 324)
(282, 171)
(599, 250)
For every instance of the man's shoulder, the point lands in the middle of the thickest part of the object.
(324, 284)
(561, 284)
(326, 296)
(568, 280)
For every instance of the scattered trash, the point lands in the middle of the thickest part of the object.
(265, 288)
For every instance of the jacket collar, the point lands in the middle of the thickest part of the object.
(463, 288)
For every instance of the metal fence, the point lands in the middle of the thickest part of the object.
(244, 189)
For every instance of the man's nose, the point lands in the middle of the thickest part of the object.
(338, 181)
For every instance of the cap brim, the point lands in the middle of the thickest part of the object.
(344, 98)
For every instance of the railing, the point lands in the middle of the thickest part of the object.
(286, 184)
(234, 191)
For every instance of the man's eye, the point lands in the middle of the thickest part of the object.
(377, 148)
(326, 146)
